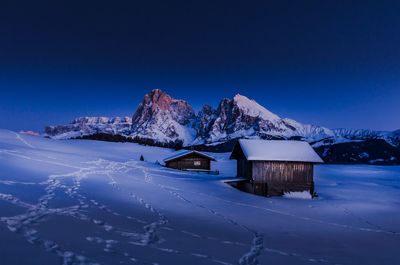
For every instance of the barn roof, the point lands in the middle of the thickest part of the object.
(278, 150)
(183, 153)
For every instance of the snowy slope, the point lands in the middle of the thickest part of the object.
(88, 202)
(253, 109)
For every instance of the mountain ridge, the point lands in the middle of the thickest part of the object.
(163, 119)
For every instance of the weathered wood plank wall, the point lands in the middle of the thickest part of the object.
(275, 177)
(189, 163)
(244, 168)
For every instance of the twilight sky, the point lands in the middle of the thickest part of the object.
(331, 63)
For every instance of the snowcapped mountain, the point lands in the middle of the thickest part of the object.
(164, 119)
(161, 119)
(243, 117)
(392, 138)
(90, 125)
(251, 108)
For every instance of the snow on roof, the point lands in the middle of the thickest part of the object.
(279, 150)
(183, 153)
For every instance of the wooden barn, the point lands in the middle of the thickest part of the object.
(274, 167)
(189, 160)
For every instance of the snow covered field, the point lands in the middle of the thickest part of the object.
(88, 202)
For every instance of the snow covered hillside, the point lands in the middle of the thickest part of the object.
(87, 202)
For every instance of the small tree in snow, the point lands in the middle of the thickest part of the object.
(141, 158)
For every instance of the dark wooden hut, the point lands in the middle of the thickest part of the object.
(189, 160)
(276, 167)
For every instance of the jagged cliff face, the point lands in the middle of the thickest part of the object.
(90, 125)
(162, 118)
(158, 117)
(243, 117)
(205, 120)
(231, 121)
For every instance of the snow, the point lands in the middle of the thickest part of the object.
(182, 153)
(332, 141)
(376, 160)
(308, 131)
(392, 138)
(253, 109)
(164, 119)
(88, 202)
(32, 133)
(279, 150)
(90, 125)
(298, 195)
(164, 128)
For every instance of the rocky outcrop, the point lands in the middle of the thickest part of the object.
(243, 117)
(88, 126)
(163, 118)
(206, 119)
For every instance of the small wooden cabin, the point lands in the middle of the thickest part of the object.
(189, 160)
(274, 167)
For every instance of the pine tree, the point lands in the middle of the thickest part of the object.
(141, 158)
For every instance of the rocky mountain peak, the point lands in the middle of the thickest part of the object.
(207, 110)
(157, 99)
(251, 108)
(163, 118)
(238, 117)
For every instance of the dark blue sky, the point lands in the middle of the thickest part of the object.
(331, 63)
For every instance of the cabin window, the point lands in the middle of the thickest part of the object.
(197, 163)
